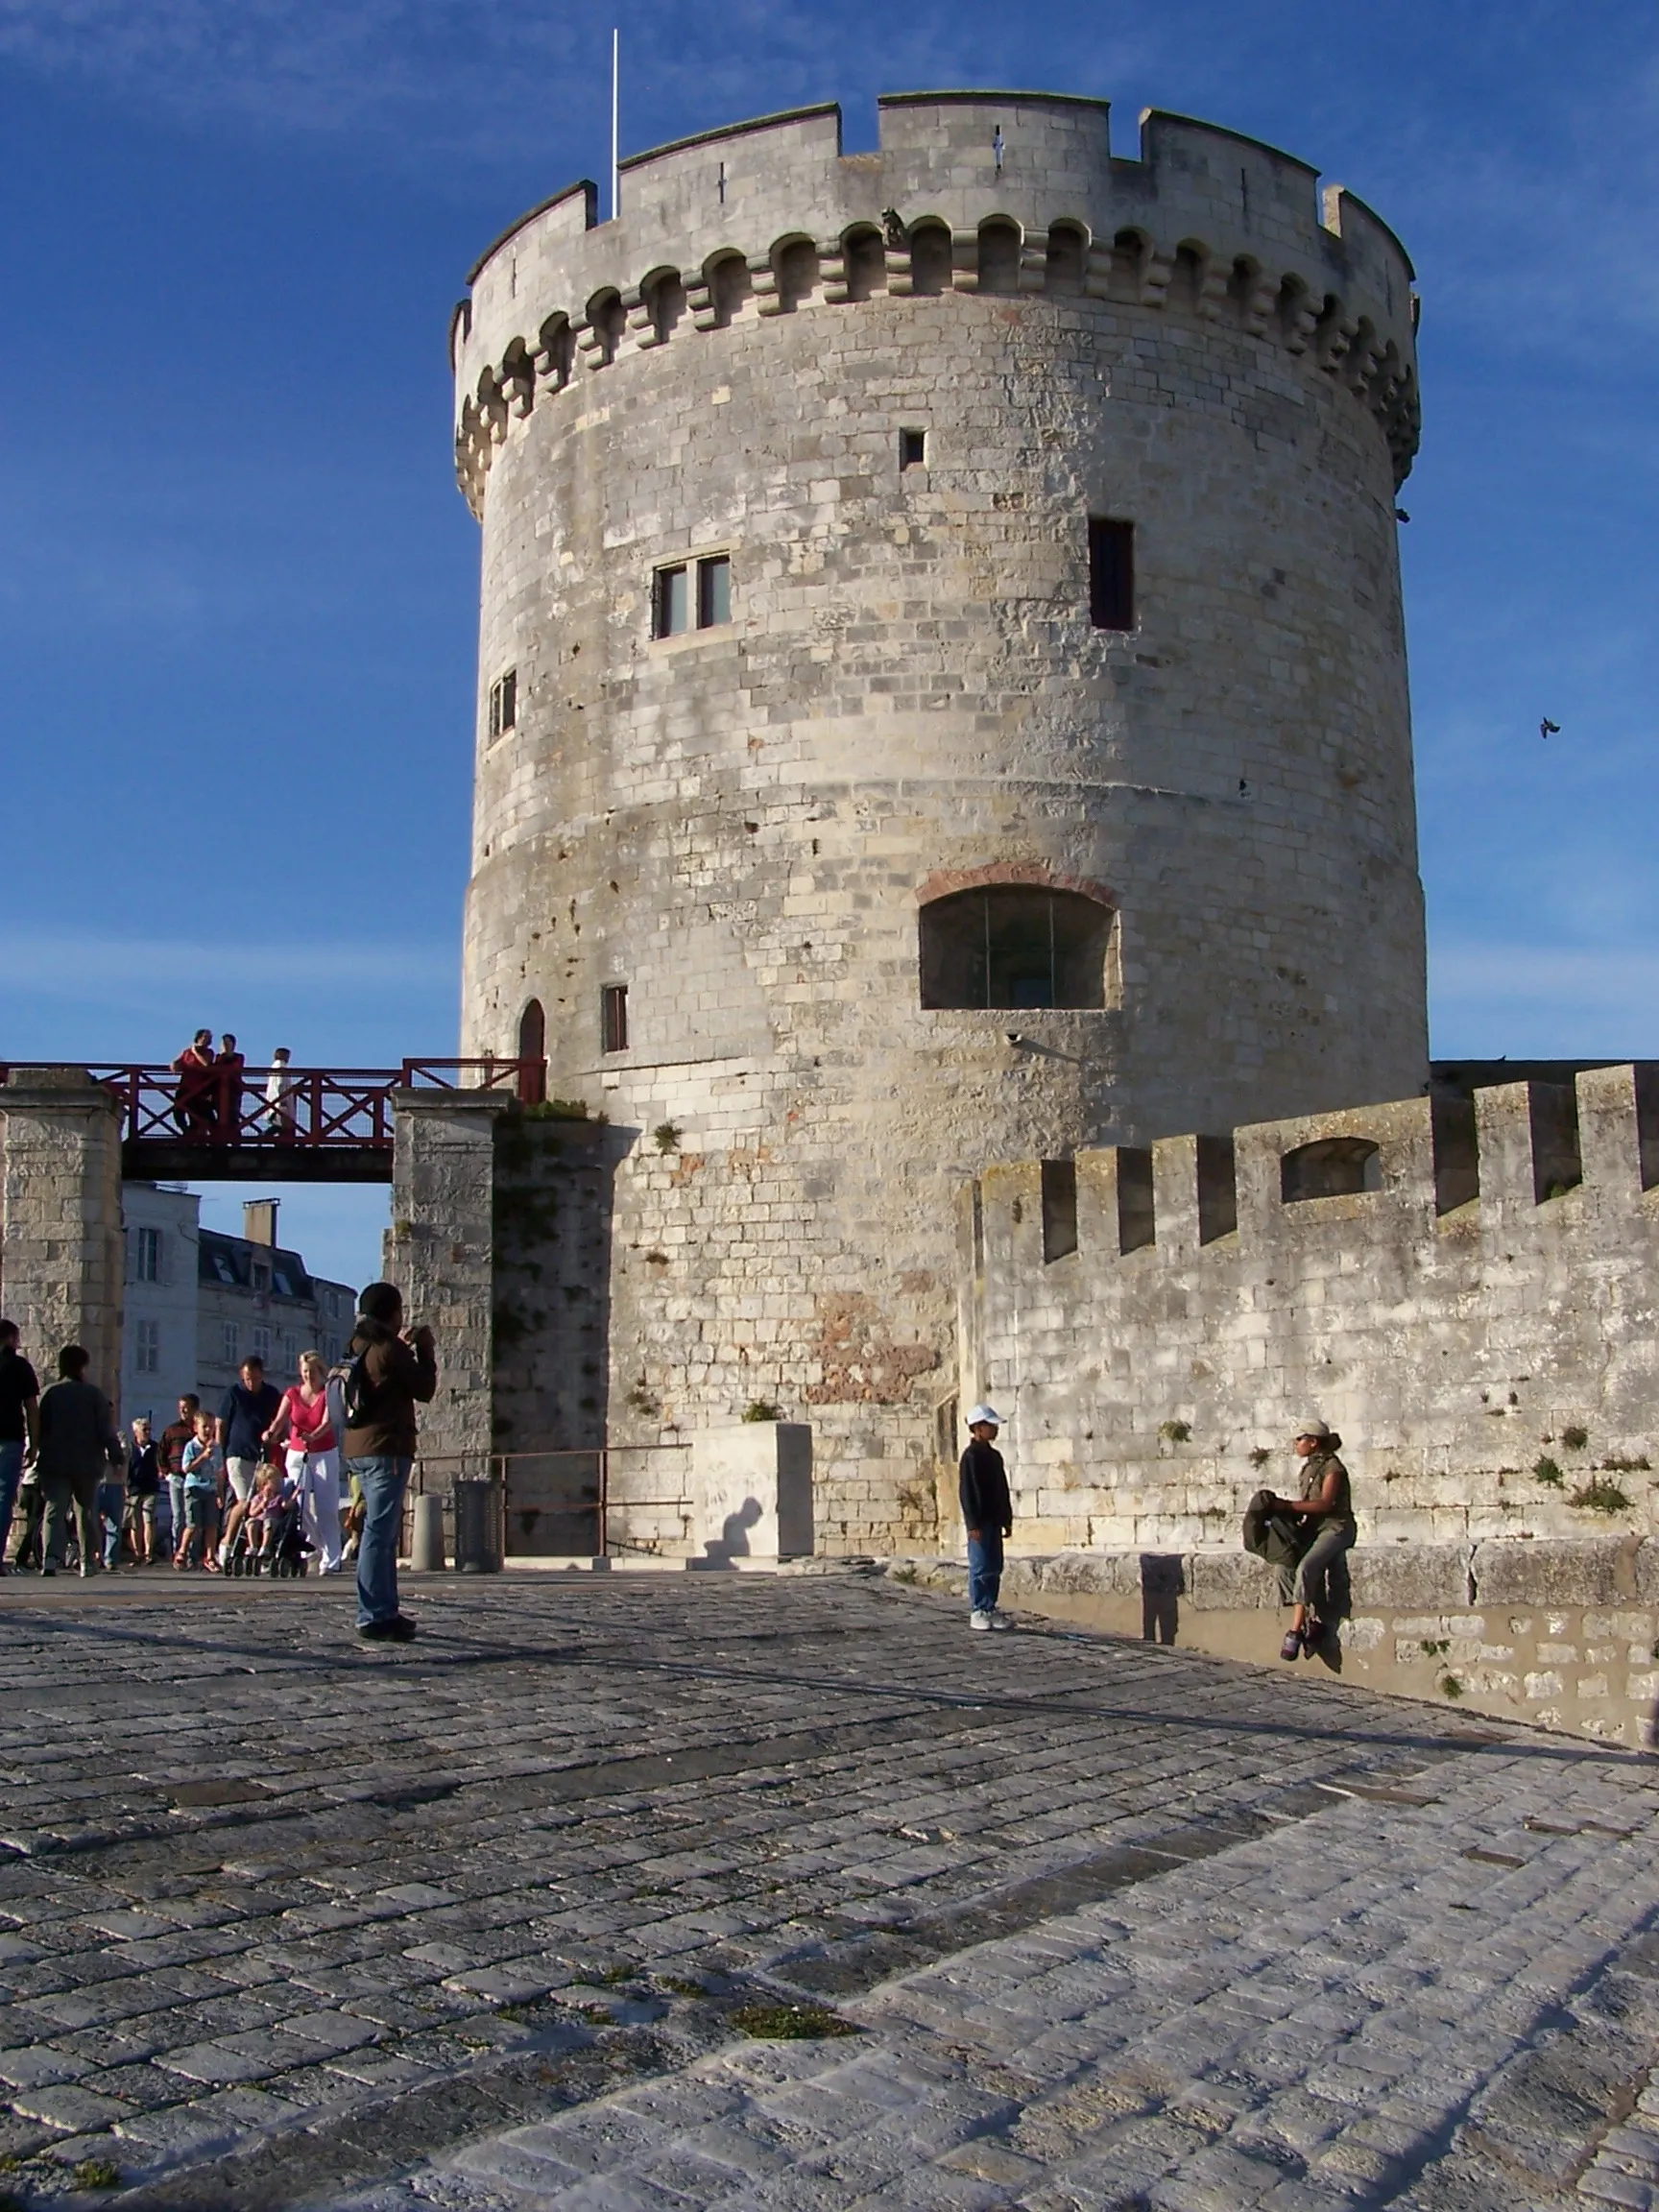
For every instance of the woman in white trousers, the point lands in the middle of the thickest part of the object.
(313, 1456)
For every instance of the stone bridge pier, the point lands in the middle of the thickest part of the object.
(61, 1253)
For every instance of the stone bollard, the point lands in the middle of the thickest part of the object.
(426, 1545)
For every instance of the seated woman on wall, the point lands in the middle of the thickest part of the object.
(1326, 1505)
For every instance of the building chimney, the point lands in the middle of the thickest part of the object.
(259, 1220)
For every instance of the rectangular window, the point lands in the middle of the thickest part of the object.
(148, 1257)
(714, 592)
(147, 1354)
(672, 613)
(261, 1343)
(227, 1342)
(912, 448)
(691, 594)
(1111, 574)
(613, 1018)
(290, 1351)
(504, 704)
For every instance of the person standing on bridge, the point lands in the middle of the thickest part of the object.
(393, 1370)
(228, 1090)
(19, 1405)
(280, 1085)
(193, 1099)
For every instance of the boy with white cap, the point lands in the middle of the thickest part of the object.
(982, 1485)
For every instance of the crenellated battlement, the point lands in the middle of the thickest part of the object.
(1015, 195)
(1460, 1287)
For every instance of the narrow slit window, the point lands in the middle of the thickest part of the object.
(912, 448)
(714, 592)
(1111, 573)
(504, 704)
(671, 608)
(613, 1018)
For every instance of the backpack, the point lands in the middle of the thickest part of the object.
(355, 1392)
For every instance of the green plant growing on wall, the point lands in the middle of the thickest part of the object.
(1175, 1431)
(1548, 1471)
(643, 1399)
(1450, 1686)
(761, 1409)
(1435, 1648)
(1260, 1455)
(666, 1136)
(1615, 1464)
(1598, 1497)
(1574, 1439)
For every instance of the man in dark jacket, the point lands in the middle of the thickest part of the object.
(19, 1405)
(988, 1511)
(393, 1371)
(78, 1443)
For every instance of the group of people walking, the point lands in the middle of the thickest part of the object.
(207, 1101)
(255, 1484)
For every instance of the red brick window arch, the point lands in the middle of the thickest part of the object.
(1013, 945)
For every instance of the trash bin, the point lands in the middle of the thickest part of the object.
(479, 1548)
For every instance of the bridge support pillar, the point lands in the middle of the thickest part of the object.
(62, 1253)
(440, 1252)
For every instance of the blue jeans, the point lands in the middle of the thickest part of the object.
(383, 1482)
(175, 1511)
(112, 1518)
(984, 1570)
(11, 1474)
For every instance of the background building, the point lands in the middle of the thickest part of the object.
(198, 1302)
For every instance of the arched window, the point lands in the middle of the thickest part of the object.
(1333, 1167)
(929, 258)
(1066, 259)
(1012, 945)
(533, 1054)
(999, 257)
(865, 254)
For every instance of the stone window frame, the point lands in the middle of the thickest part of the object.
(147, 1346)
(614, 1032)
(503, 716)
(705, 588)
(147, 1255)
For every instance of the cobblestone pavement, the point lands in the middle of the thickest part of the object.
(482, 1923)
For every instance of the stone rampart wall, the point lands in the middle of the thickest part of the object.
(1480, 1327)
(1560, 1634)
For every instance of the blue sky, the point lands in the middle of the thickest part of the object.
(237, 585)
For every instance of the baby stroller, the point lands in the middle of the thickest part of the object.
(283, 1555)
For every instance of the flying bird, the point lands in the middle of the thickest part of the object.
(1549, 729)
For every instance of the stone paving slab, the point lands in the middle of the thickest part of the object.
(479, 1923)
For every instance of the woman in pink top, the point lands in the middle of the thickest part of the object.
(313, 1457)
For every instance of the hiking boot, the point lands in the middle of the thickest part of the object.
(1292, 1648)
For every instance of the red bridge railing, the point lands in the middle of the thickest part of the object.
(316, 1110)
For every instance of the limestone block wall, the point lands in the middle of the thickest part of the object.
(741, 823)
(1488, 1306)
(1564, 1634)
(61, 1257)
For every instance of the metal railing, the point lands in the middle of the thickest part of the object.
(567, 1503)
(316, 1109)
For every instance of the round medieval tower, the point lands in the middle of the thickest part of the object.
(942, 699)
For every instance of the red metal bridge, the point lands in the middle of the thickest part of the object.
(283, 1125)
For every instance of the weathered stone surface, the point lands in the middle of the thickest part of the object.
(1481, 1326)
(1594, 1571)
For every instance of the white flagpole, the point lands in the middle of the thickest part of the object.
(615, 76)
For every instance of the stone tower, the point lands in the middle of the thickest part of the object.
(942, 699)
